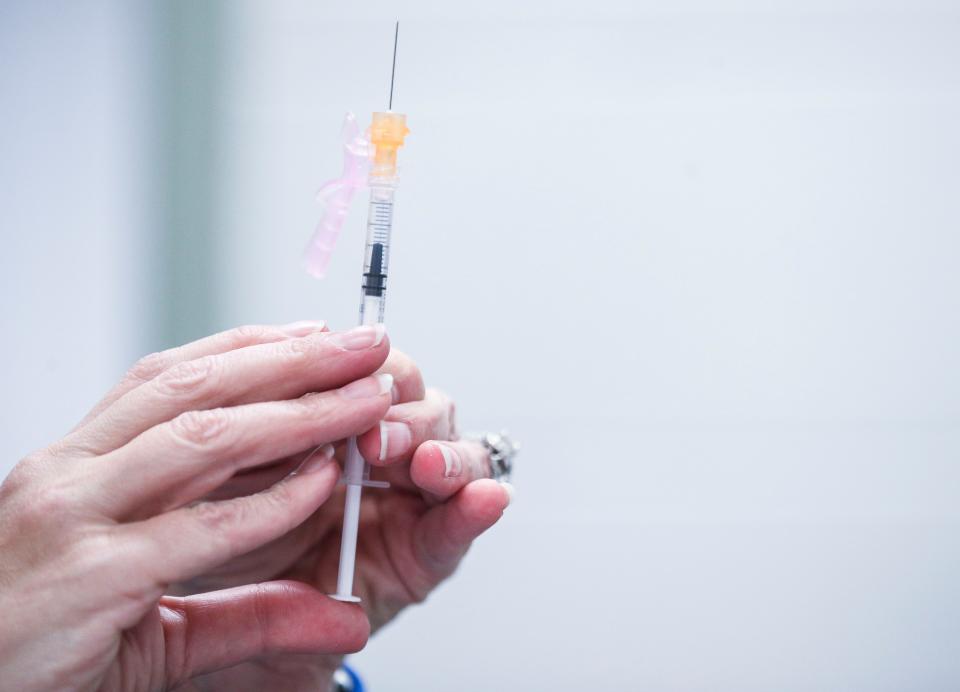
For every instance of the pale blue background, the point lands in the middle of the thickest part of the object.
(702, 258)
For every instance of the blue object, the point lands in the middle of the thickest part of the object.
(354, 678)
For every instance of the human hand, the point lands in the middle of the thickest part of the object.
(95, 527)
(412, 536)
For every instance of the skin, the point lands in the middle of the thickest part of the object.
(185, 533)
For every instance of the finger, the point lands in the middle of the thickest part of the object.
(217, 630)
(296, 554)
(443, 535)
(257, 373)
(189, 541)
(407, 380)
(150, 366)
(292, 555)
(253, 480)
(406, 427)
(441, 469)
(180, 461)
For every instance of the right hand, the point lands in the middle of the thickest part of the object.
(412, 536)
(96, 526)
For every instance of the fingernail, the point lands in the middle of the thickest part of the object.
(452, 466)
(368, 386)
(394, 437)
(510, 491)
(360, 338)
(318, 459)
(303, 327)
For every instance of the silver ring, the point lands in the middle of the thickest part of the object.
(501, 450)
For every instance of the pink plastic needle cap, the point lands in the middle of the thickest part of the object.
(336, 196)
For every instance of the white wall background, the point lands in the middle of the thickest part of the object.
(701, 258)
(75, 198)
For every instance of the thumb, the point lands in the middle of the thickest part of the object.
(220, 629)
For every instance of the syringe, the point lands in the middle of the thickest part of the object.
(386, 136)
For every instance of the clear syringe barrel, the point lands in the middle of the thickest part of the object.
(387, 133)
(373, 292)
(376, 259)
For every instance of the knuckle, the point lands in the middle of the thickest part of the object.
(60, 448)
(94, 552)
(48, 502)
(228, 519)
(279, 496)
(310, 405)
(97, 553)
(261, 609)
(38, 504)
(305, 350)
(216, 515)
(148, 367)
(191, 378)
(198, 429)
(250, 334)
(216, 519)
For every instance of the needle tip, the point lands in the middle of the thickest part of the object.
(393, 69)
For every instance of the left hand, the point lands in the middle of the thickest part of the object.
(94, 527)
(411, 536)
